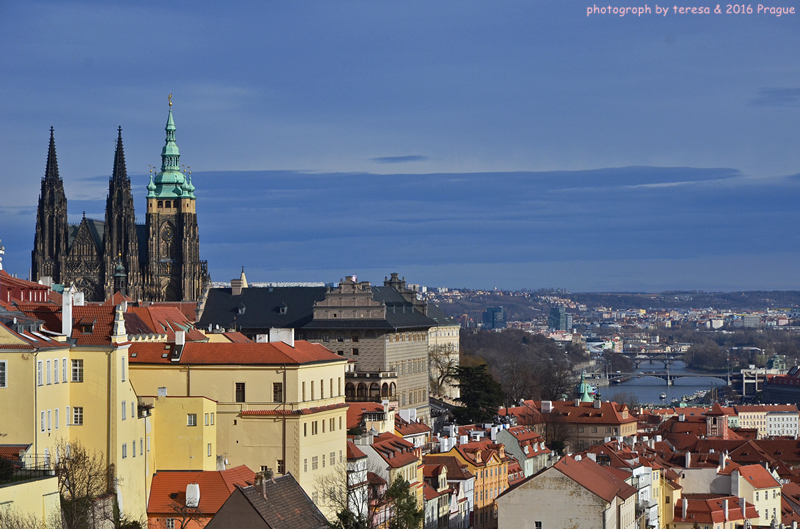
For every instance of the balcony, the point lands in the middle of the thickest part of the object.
(370, 386)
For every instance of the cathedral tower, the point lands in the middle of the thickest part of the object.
(121, 244)
(52, 231)
(175, 272)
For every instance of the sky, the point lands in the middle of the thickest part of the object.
(476, 144)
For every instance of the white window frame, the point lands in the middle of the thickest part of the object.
(170, 523)
(39, 373)
(133, 448)
(124, 450)
(55, 371)
(67, 418)
(49, 373)
(191, 419)
(49, 420)
(124, 409)
(77, 413)
(209, 450)
(77, 370)
(64, 378)
(123, 368)
(42, 425)
(56, 419)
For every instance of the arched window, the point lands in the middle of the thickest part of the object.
(349, 391)
(374, 390)
(361, 392)
(392, 389)
(354, 337)
(385, 390)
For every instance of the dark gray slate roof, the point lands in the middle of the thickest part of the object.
(262, 310)
(437, 315)
(96, 227)
(262, 307)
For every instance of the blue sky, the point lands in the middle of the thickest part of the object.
(484, 144)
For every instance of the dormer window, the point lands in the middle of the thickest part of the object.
(284, 309)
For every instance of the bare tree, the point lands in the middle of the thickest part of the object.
(13, 519)
(555, 381)
(82, 477)
(442, 363)
(185, 515)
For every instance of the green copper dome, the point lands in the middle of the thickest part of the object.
(170, 182)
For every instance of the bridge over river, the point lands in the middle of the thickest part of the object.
(666, 376)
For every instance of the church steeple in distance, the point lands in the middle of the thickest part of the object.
(51, 238)
(120, 239)
(176, 272)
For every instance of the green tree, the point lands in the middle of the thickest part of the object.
(481, 395)
(406, 513)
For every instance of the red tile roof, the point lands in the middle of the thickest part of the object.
(355, 415)
(207, 353)
(429, 492)
(709, 509)
(215, 488)
(456, 470)
(595, 478)
(396, 451)
(354, 452)
(758, 476)
(12, 451)
(406, 428)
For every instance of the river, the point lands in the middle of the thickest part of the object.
(648, 389)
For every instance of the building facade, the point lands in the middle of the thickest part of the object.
(155, 261)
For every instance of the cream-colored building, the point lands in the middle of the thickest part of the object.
(279, 407)
(572, 493)
(758, 486)
(443, 353)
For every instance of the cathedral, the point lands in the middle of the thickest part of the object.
(155, 261)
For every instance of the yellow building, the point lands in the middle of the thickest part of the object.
(58, 393)
(758, 486)
(279, 407)
(181, 433)
(487, 461)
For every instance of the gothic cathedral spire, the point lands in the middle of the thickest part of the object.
(121, 243)
(51, 239)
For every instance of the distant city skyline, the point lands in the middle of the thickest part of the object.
(513, 144)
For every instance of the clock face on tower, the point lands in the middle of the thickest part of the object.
(167, 233)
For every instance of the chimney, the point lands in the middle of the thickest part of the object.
(192, 495)
(688, 462)
(681, 417)
(578, 458)
(162, 391)
(66, 311)
(685, 508)
(285, 335)
(597, 404)
(743, 506)
(180, 337)
(722, 460)
(794, 524)
(547, 406)
(725, 508)
(464, 440)
(494, 433)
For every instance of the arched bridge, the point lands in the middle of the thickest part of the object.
(667, 377)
